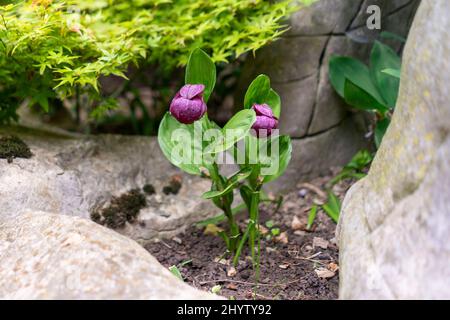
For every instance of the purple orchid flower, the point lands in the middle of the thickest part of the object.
(188, 106)
(265, 120)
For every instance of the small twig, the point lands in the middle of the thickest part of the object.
(167, 245)
(315, 189)
(314, 255)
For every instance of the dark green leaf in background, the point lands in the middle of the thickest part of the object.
(359, 98)
(346, 68)
(380, 130)
(383, 57)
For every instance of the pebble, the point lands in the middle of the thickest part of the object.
(302, 192)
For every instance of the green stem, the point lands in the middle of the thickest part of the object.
(226, 207)
(254, 217)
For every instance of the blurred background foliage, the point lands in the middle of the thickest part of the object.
(113, 65)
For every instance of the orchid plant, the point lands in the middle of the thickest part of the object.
(198, 146)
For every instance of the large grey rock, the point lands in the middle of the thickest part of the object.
(75, 175)
(52, 256)
(394, 232)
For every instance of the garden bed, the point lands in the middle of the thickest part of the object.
(295, 263)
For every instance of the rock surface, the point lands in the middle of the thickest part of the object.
(394, 231)
(75, 175)
(298, 67)
(49, 256)
(313, 155)
(327, 27)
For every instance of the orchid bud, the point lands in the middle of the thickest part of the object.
(265, 120)
(188, 106)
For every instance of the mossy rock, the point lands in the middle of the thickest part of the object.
(12, 147)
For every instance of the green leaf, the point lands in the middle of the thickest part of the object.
(360, 99)
(346, 68)
(275, 232)
(381, 58)
(311, 217)
(360, 160)
(220, 217)
(270, 224)
(174, 270)
(258, 91)
(232, 183)
(380, 130)
(333, 207)
(246, 194)
(392, 72)
(235, 130)
(274, 101)
(179, 144)
(283, 156)
(201, 70)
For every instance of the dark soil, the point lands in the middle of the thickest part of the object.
(121, 210)
(12, 147)
(296, 264)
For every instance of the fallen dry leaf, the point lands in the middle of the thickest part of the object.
(320, 243)
(263, 230)
(222, 261)
(296, 224)
(324, 273)
(283, 238)
(177, 240)
(333, 267)
(231, 272)
(212, 230)
(300, 233)
(231, 286)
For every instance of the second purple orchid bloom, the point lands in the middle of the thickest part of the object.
(265, 120)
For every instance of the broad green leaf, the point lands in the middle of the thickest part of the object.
(360, 99)
(232, 183)
(381, 58)
(234, 130)
(274, 101)
(258, 91)
(346, 68)
(179, 144)
(392, 72)
(282, 156)
(201, 70)
(380, 130)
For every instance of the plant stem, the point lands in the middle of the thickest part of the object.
(254, 217)
(226, 207)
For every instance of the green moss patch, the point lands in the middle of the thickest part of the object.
(12, 147)
(121, 210)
